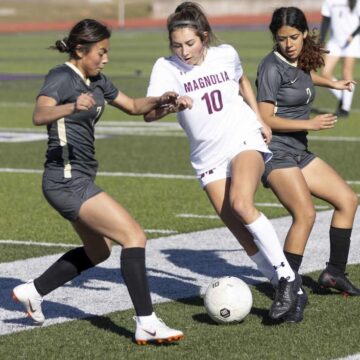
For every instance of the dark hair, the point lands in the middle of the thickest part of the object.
(190, 14)
(86, 33)
(312, 54)
(352, 4)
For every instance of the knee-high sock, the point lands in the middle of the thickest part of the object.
(337, 93)
(134, 274)
(268, 242)
(347, 99)
(339, 247)
(63, 270)
(265, 267)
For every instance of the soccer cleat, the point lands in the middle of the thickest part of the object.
(337, 281)
(156, 332)
(285, 297)
(28, 296)
(341, 113)
(296, 314)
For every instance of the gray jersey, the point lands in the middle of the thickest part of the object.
(71, 139)
(291, 90)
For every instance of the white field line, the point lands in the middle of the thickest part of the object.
(34, 243)
(129, 174)
(141, 128)
(215, 217)
(106, 173)
(45, 244)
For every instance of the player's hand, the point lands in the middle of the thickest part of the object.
(345, 85)
(168, 98)
(266, 133)
(323, 122)
(84, 102)
(181, 103)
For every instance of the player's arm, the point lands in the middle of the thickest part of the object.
(319, 80)
(279, 124)
(181, 103)
(47, 110)
(247, 93)
(140, 106)
(352, 35)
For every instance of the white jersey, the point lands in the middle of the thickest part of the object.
(343, 21)
(219, 118)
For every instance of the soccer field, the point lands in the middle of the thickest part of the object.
(146, 168)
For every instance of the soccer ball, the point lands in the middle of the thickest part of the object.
(228, 300)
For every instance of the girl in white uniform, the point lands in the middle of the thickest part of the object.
(218, 111)
(343, 18)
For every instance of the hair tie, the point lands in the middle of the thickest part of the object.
(64, 44)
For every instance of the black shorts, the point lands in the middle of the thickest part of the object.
(283, 159)
(67, 195)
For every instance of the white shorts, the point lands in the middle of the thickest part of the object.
(352, 50)
(254, 141)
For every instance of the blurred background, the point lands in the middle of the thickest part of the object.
(18, 15)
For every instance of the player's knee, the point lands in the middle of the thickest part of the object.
(350, 201)
(99, 255)
(135, 238)
(243, 208)
(306, 216)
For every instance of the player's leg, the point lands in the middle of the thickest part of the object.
(106, 216)
(325, 183)
(245, 181)
(218, 194)
(66, 196)
(65, 269)
(289, 185)
(328, 72)
(348, 74)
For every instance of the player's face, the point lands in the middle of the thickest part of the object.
(92, 63)
(187, 45)
(290, 42)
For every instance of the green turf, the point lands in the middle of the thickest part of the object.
(331, 326)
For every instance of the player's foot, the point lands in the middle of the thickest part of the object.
(296, 314)
(341, 113)
(335, 279)
(28, 296)
(155, 332)
(285, 297)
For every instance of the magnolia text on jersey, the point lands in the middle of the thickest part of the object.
(206, 81)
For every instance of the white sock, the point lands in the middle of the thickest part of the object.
(268, 243)
(347, 99)
(265, 267)
(337, 93)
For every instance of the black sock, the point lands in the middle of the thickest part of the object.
(63, 270)
(339, 247)
(135, 278)
(294, 260)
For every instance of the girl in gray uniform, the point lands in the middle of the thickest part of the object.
(70, 103)
(285, 84)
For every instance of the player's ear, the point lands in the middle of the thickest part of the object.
(79, 50)
(205, 37)
(305, 34)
